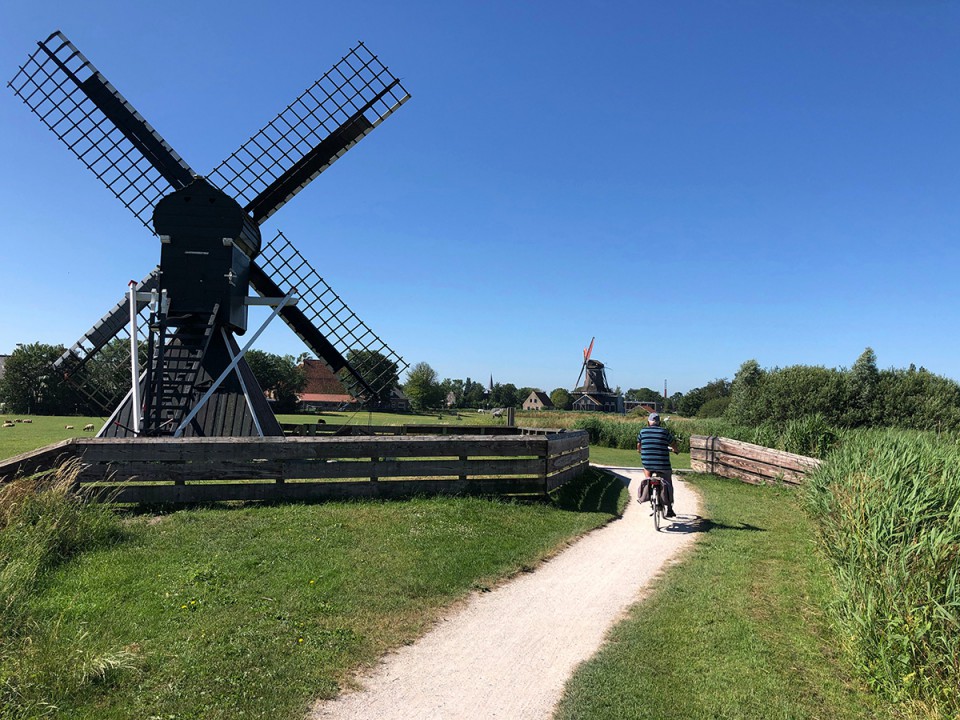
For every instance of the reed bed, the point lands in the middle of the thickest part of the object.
(887, 504)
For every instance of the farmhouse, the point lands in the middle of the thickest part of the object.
(323, 390)
(537, 400)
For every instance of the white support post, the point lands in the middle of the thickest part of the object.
(290, 297)
(134, 358)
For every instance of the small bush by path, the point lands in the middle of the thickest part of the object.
(734, 631)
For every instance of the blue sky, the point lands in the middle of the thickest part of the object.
(693, 183)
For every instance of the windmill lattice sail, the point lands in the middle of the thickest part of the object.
(196, 381)
(329, 118)
(90, 116)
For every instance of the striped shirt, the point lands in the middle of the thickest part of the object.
(655, 448)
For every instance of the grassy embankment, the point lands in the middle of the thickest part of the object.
(226, 612)
(735, 631)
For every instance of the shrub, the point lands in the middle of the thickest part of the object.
(714, 408)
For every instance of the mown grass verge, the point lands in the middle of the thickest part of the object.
(735, 631)
(251, 612)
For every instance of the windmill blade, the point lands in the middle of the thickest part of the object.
(328, 119)
(587, 351)
(98, 364)
(75, 101)
(324, 322)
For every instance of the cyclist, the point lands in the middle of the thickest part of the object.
(654, 443)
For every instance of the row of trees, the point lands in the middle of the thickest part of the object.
(861, 396)
(31, 386)
(426, 390)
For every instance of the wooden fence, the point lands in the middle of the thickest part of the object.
(750, 463)
(168, 470)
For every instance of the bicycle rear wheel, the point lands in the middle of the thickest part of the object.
(655, 502)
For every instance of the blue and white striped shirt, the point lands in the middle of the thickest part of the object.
(655, 448)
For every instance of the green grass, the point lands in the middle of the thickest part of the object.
(615, 457)
(735, 631)
(252, 612)
(44, 430)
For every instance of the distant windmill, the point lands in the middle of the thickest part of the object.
(595, 393)
(586, 357)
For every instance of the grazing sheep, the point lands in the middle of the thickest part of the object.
(88, 427)
(28, 420)
(7, 423)
(68, 427)
(18, 420)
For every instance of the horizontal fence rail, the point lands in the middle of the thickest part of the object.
(162, 470)
(750, 463)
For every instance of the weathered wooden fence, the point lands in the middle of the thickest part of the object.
(168, 470)
(750, 463)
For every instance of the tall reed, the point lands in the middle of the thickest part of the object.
(888, 511)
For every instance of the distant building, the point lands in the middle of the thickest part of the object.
(323, 390)
(537, 400)
(3, 362)
(648, 405)
(451, 399)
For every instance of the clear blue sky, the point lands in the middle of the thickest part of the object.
(693, 183)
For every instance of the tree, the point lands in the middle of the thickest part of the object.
(30, 384)
(472, 394)
(376, 369)
(862, 383)
(422, 387)
(279, 376)
(561, 399)
(744, 406)
(449, 386)
(504, 395)
(644, 394)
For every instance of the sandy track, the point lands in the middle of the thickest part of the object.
(508, 653)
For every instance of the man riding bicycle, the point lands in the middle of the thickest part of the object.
(654, 443)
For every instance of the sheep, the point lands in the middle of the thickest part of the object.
(7, 423)
(68, 427)
(18, 420)
(88, 427)
(27, 421)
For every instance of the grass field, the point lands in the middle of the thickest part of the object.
(251, 612)
(734, 632)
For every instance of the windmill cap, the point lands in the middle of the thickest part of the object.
(655, 417)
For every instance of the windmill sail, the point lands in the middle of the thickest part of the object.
(75, 101)
(325, 322)
(316, 129)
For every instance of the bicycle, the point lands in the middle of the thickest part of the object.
(658, 503)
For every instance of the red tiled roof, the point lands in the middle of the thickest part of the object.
(326, 397)
(321, 380)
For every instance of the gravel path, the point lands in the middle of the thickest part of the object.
(508, 653)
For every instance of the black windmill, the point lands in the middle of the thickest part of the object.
(195, 381)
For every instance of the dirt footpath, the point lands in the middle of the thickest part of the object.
(508, 653)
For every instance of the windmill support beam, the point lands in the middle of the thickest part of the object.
(233, 364)
(243, 386)
(134, 358)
